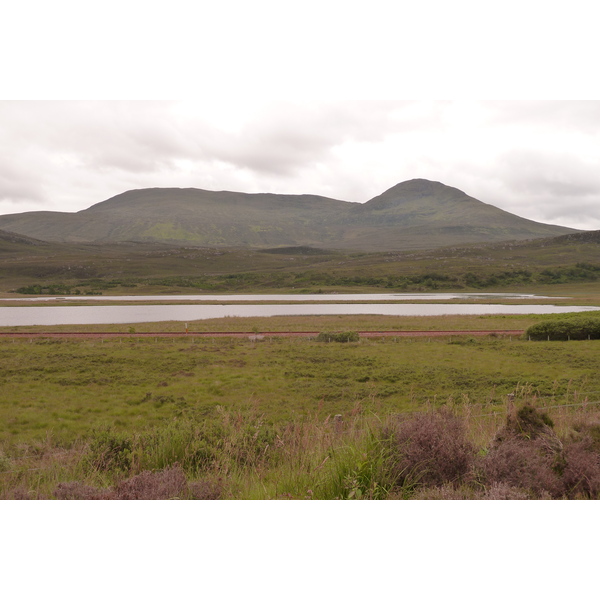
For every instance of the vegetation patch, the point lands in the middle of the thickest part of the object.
(578, 328)
(433, 454)
(338, 336)
(295, 418)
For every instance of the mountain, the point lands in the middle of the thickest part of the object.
(429, 214)
(11, 242)
(416, 214)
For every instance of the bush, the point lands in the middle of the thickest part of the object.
(111, 451)
(430, 449)
(578, 328)
(341, 336)
(527, 455)
(522, 464)
(75, 490)
(529, 422)
(165, 484)
(153, 485)
(581, 472)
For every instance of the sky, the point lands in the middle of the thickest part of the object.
(324, 98)
(537, 159)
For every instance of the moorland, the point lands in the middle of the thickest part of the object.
(263, 417)
(300, 418)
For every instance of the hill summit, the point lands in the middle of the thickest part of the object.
(415, 214)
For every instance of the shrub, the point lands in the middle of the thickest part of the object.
(75, 490)
(170, 483)
(447, 492)
(340, 336)
(531, 424)
(111, 451)
(522, 463)
(153, 485)
(578, 328)
(497, 491)
(430, 449)
(205, 490)
(528, 422)
(581, 471)
(503, 491)
(526, 454)
(590, 431)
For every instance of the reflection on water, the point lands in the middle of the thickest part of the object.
(87, 315)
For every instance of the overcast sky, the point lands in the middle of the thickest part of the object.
(537, 159)
(300, 98)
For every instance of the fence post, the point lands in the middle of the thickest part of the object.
(510, 405)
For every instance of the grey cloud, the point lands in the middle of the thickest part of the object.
(550, 186)
(580, 115)
(16, 191)
(581, 209)
(287, 137)
(128, 136)
(18, 185)
(282, 139)
(549, 173)
(137, 137)
(79, 153)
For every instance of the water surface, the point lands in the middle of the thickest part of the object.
(88, 315)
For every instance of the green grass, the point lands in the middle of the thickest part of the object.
(240, 455)
(70, 387)
(257, 419)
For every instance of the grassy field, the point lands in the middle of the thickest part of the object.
(70, 387)
(100, 411)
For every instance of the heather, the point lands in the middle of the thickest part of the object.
(438, 454)
(296, 418)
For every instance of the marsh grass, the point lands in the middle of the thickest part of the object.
(426, 455)
(69, 388)
(294, 418)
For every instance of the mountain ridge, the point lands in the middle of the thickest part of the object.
(414, 214)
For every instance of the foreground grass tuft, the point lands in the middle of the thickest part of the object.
(427, 455)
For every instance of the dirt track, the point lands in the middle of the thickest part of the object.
(251, 335)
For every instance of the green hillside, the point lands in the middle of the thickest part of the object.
(143, 267)
(416, 214)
